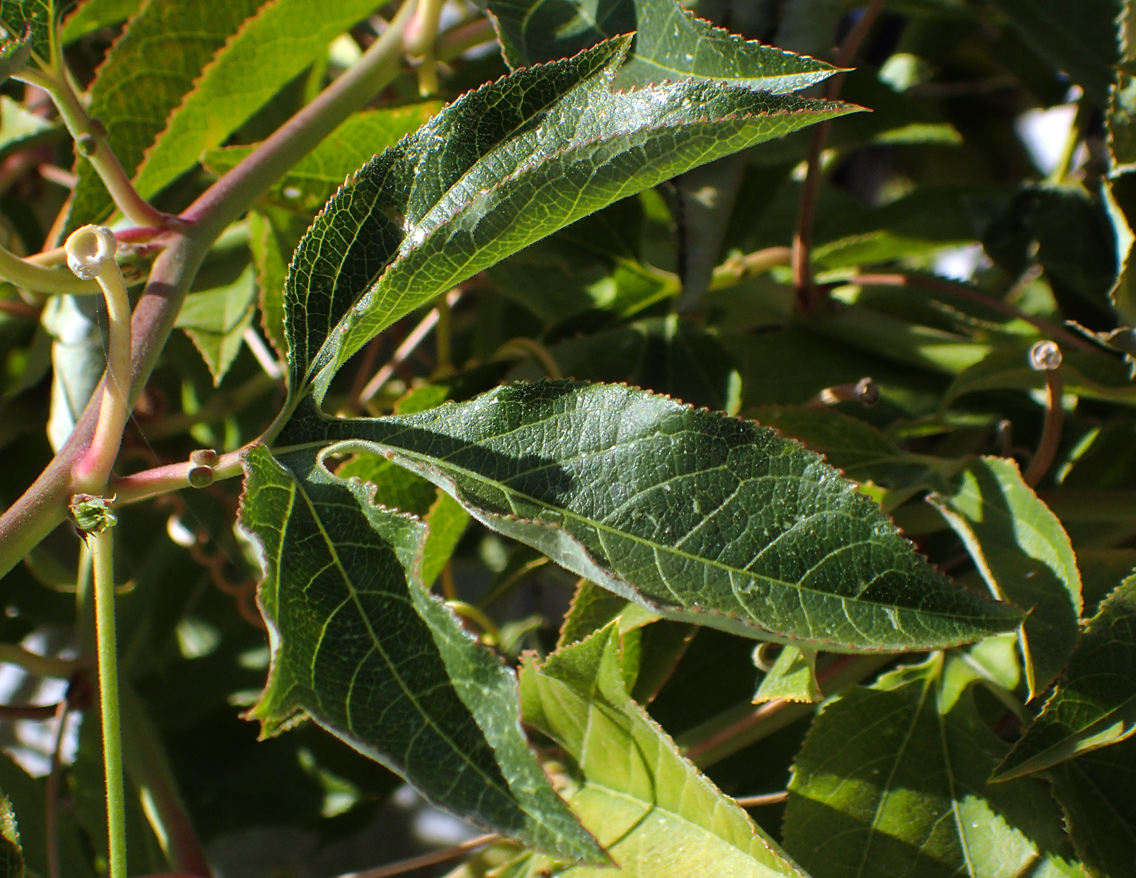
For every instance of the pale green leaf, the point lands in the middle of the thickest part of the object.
(792, 677)
(1094, 703)
(20, 129)
(891, 780)
(273, 236)
(11, 855)
(215, 321)
(365, 651)
(498, 169)
(655, 813)
(1025, 557)
(314, 178)
(93, 15)
(671, 42)
(144, 78)
(278, 43)
(691, 514)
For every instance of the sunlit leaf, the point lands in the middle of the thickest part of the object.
(692, 514)
(365, 651)
(650, 807)
(1094, 704)
(215, 320)
(11, 856)
(892, 781)
(792, 677)
(500, 168)
(671, 42)
(1025, 557)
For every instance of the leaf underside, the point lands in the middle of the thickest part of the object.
(365, 651)
(691, 514)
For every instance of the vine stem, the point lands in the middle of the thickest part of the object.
(41, 507)
(803, 236)
(102, 554)
(37, 279)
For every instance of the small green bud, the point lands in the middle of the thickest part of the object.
(92, 514)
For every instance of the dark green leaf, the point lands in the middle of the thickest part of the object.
(14, 53)
(1094, 704)
(692, 514)
(892, 781)
(366, 652)
(36, 15)
(143, 79)
(1097, 791)
(273, 236)
(671, 42)
(1080, 38)
(1025, 557)
(498, 169)
(650, 807)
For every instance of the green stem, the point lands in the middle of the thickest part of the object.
(91, 141)
(37, 279)
(33, 663)
(102, 550)
(421, 37)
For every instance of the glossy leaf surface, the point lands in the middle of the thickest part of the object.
(649, 806)
(1025, 557)
(365, 651)
(671, 42)
(500, 168)
(1094, 704)
(691, 514)
(892, 781)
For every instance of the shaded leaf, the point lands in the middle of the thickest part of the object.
(792, 677)
(361, 648)
(891, 780)
(671, 42)
(215, 320)
(26, 797)
(691, 514)
(1094, 703)
(15, 52)
(650, 807)
(1097, 791)
(522, 157)
(144, 78)
(1080, 38)
(1025, 557)
(273, 237)
(314, 178)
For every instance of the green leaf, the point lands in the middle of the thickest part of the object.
(365, 651)
(144, 78)
(11, 855)
(273, 236)
(14, 53)
(94, 15)
(1097, 792)
(691, 514)
(314, 178)
(1094, 703)
(215, 320)
(20, 129)
(38, 16)
(522, 157)
(671, 43)
(891, 780)
(1025, 557)
(1079, 38)
(651, 808)
(26, 797)
(792, 677)
(279, 42)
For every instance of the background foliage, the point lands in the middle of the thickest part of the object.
(460, 459)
